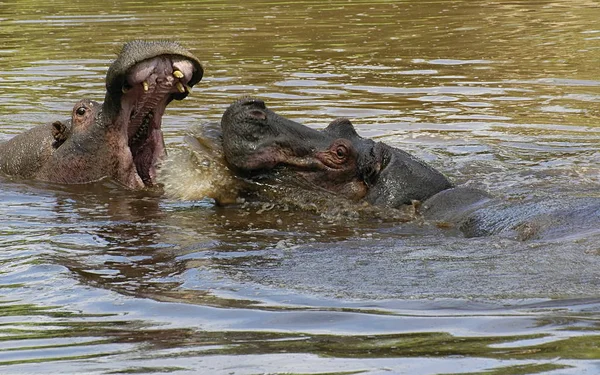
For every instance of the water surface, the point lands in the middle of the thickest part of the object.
(500, 95)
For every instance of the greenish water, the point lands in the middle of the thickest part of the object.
(501, 95)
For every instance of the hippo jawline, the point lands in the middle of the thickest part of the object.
(136, 110)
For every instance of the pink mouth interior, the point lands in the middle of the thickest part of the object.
(150, 86)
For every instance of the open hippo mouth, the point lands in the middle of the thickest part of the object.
(146, 77)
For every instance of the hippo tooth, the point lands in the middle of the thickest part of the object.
(145, 84)
(178, 74)
(180, 87)
(124, 90)
(188, 88)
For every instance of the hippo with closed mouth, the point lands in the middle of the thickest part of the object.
(337, 159)
(120, 138)
(256, 154)
(256, 145)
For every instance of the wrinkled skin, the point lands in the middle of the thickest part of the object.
(120, 138)
(259, 144)
(256, 141)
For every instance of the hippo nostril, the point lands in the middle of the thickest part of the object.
(258, 114)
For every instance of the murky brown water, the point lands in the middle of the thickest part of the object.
(498, 94)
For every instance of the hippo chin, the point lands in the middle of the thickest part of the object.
(120, 138)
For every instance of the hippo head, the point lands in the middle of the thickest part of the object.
(140, 83)
(258, 142)
(82, 119)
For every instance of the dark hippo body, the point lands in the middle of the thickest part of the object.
(263, 146)
(476, 213)
(120, 138)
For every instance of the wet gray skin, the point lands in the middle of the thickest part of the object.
(476, 213)
(120, 138)
(261, 145)
(258, 142)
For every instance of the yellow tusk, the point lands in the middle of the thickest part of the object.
(178, 74)
(180, 87)
(124, 90)
(145, 84)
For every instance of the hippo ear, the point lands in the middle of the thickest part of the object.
(60, 132)
(341, 128)
(402, 178)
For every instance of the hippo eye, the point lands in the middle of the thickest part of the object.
(341, 152)
(80, 111)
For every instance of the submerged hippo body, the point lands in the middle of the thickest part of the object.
(258, 144)
(476, 213)
(120, 138)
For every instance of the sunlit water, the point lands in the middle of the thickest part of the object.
(501, 95)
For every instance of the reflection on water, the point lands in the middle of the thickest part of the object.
(500, 95)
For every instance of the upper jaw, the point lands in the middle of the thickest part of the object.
(136, 52)
(149, 87)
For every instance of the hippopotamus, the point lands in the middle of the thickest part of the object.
(260, 146)
(252, 145)
(119, 139)
(337, 159)
(477, 213)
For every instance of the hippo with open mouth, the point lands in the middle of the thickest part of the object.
(120, 138)
(257, 146)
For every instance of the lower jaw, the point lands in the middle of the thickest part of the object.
(147, 156)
